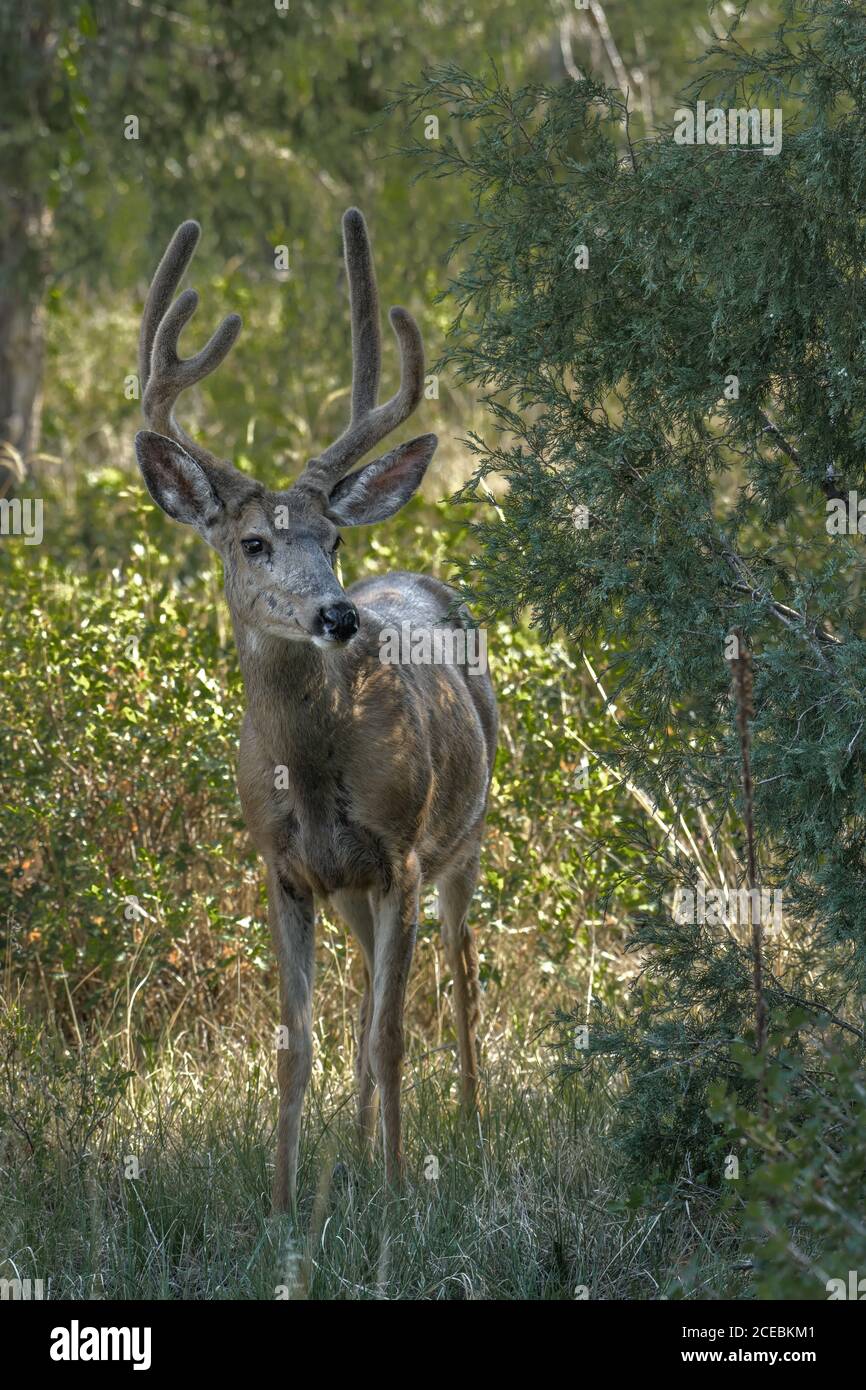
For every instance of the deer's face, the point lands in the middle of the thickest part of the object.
(279, 548)
(280, 556)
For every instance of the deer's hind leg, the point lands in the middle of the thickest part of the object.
(355, 910)
(455, 888)
(396, 918)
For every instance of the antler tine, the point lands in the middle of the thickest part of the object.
(370, 423)
(169, 274)
(364, 300)
(163, 373)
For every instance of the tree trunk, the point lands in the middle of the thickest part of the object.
(25, 228)
(29, 37)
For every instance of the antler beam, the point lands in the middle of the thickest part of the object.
(163, 373)
(370, 423)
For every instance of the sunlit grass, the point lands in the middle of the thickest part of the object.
(526, 1202)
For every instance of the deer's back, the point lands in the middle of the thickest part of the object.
(423, 601)
(447, 711)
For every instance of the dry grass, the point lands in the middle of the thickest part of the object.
(527, 1203)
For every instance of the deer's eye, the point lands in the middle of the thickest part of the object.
(253, 545)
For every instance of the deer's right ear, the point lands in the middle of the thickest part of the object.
(175, 481)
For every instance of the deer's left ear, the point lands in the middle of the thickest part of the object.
(382, 487)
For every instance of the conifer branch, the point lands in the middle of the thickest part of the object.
(742, 679)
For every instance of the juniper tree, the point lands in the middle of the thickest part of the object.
(671, 337)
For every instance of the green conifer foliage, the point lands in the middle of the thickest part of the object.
(672, 339)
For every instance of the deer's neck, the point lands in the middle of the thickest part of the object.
(297, 695)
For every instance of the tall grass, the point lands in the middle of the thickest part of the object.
(524, 1203)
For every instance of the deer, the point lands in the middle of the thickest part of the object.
(362, 782)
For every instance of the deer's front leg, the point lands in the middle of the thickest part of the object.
(292, 918)
(396, 922)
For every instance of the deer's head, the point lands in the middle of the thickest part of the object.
(278, 548)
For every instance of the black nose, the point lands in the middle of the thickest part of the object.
(339, 620)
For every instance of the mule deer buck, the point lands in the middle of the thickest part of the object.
(360, 780)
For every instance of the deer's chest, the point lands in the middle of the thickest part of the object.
(319, 843)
